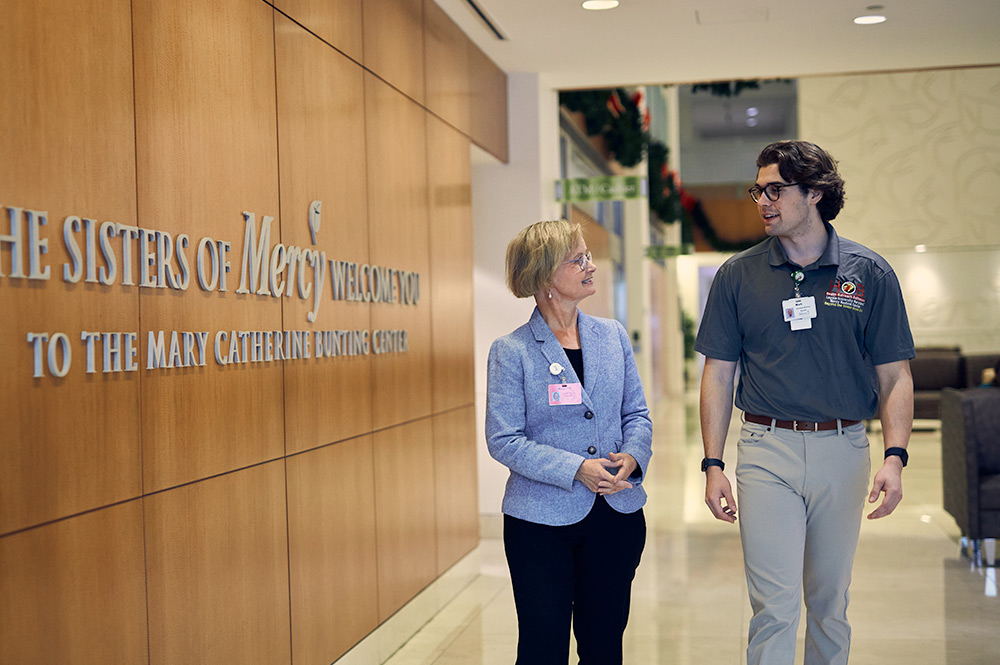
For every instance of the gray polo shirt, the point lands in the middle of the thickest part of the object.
(822, 373)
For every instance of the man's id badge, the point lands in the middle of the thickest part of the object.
(565, 393)
(799, 312)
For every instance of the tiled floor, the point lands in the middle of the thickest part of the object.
(914, 599)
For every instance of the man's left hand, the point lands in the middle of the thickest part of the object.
(888, 480)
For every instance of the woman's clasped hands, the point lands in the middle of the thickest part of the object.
(596, 474)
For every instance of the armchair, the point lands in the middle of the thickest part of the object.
(970, 461)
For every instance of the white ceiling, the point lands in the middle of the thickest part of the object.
(683, 41)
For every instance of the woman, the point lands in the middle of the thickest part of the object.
(565, 412)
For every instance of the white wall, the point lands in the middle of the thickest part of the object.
(920, 152)
(952, 296)
(505, 199)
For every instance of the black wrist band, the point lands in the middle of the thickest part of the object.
(712, 461)
(900, 452)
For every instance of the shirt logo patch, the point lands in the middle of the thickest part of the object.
(846, 294)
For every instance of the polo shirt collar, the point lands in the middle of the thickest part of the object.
(831, 255)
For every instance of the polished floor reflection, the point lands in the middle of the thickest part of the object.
(914, 599)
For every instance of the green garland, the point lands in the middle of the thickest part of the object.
(594, 106)
(625, 136)
(663, 200)
(613, 114)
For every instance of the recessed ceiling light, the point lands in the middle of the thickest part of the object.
(752, 112)
(873, 16)
(598, 5)
(920, 249)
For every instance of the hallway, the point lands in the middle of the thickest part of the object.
(914, 600)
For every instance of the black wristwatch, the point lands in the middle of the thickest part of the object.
(901, 452)
(712, 461)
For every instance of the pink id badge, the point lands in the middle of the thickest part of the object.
(565, 393)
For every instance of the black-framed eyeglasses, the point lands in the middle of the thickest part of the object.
(771, 191)
(581, 261)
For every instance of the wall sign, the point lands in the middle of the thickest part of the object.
(105, 253)
(603, 188)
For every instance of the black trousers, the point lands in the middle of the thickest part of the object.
(580, 574)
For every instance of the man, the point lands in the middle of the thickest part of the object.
(818, 327)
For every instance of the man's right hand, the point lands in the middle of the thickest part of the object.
(719, 495)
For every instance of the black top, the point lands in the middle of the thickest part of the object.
(576, 360)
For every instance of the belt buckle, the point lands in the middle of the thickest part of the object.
(795, 426)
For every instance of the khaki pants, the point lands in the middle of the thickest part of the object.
(801, 496)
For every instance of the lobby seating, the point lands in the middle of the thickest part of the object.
(935, 368)
(974, 364)
(970, 460)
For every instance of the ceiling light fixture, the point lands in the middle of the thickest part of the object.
(920, 249)
(873, 17)
(598, 5)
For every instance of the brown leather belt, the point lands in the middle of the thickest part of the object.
(798, 425)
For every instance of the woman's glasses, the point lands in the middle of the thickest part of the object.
(581, 261)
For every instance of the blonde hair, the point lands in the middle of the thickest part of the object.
(537, 252)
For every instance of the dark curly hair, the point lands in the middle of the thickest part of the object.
(810, 166)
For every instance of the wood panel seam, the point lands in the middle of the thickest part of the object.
(423, 105)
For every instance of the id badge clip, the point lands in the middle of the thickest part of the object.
(799, 312)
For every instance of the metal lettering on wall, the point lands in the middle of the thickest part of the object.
(276, 270)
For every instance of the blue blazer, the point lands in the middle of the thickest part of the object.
(542, 445)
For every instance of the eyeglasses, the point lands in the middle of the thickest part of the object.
(581, 261)
(772, 191)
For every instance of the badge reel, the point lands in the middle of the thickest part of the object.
(798, 311)
(563, 394)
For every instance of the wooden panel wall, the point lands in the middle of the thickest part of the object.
(449, 173)
(398, 236)
(449, 83)
(68, 444)
(734, 214)
(331, 534)
(74, 591)
(488, 113)
(207, 145)
(227, 511)
(394, 44)
(217, 570)
(455, 502)
(404, 513)
(337, 22)
(321, 130)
